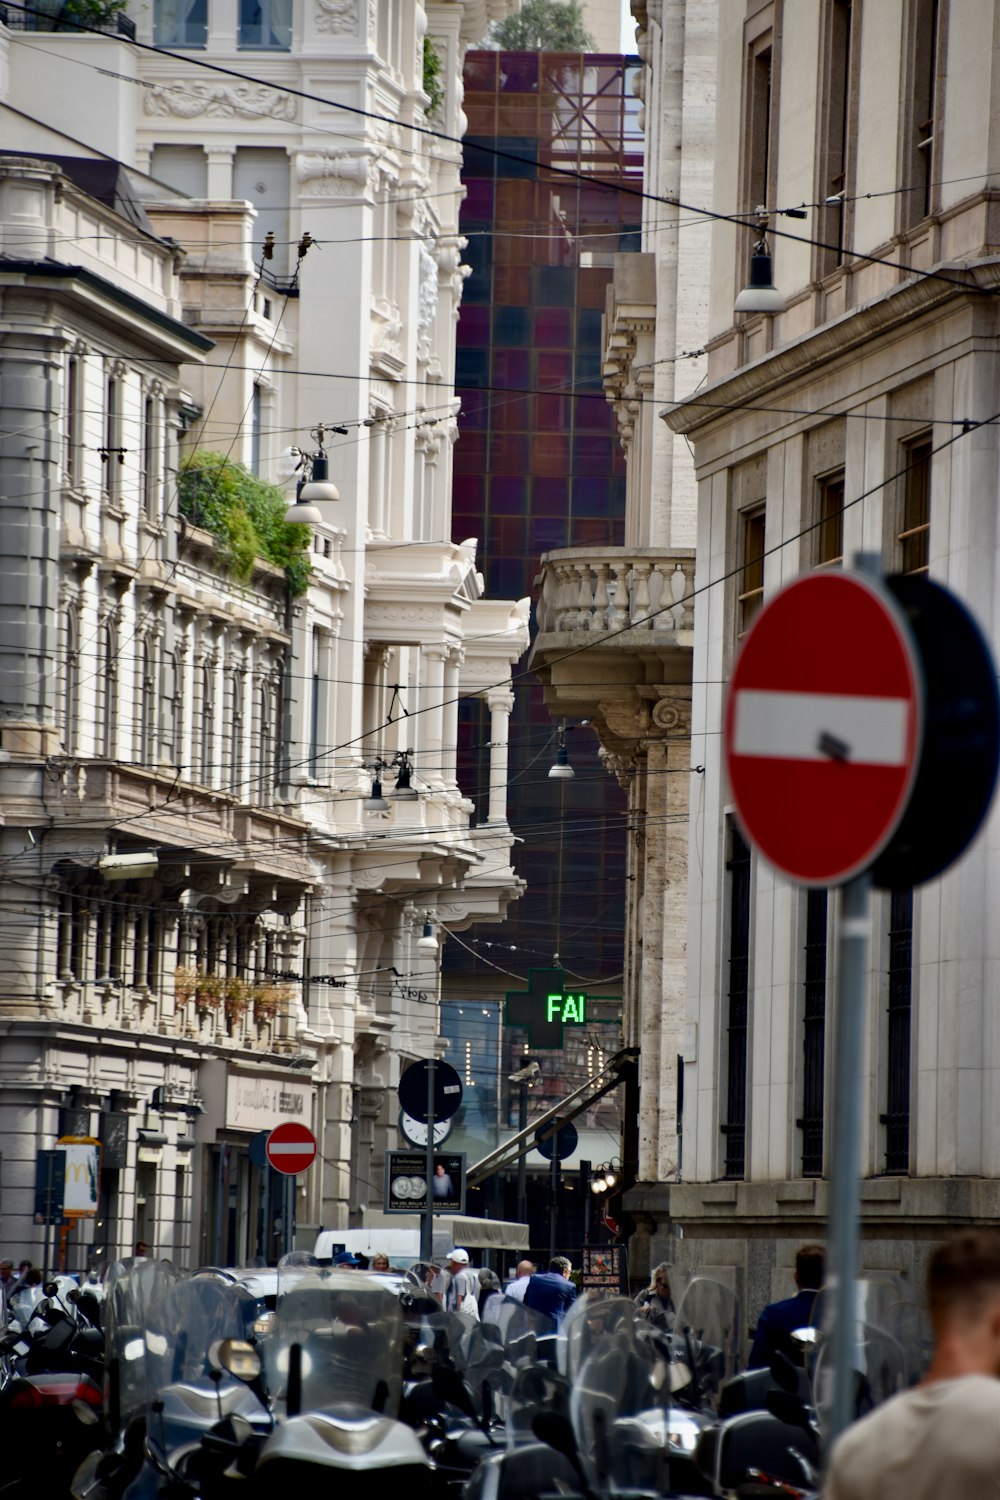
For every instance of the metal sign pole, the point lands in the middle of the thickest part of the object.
(427, 1221)
(844, 1215)
(553, 1196)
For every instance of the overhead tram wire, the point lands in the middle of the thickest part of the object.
(606, 635)
(700, 215)
(745, 220)
(738, 220)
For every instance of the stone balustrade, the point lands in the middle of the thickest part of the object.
(641, 590)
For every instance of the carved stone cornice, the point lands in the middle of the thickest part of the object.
(219, 101)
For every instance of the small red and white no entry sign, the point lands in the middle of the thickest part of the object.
(823, 726)
(291, 1148)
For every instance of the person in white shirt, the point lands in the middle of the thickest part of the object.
(464, 1284)
(943, 1437)
(518, 1287)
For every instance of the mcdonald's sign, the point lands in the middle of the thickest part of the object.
(83, 1175)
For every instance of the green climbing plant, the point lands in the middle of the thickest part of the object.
(246, 515)
(433, 80)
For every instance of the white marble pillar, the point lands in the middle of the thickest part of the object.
(431, 754)
(501, 703)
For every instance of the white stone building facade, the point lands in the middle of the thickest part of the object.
(155, 703)
(615, 626)
(850, 421)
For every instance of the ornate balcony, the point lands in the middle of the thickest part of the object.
(639, 592)
(633, 608)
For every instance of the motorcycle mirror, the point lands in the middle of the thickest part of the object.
(85, 1413)
(236, 1357)
(50, 1288)
(264, 1323)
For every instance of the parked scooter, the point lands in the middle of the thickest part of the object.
(52, 1366)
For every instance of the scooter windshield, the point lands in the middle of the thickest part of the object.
(708, 1337)
(889, 1351)
(131, 1289)
(184, 1322)
(620, 1376)
(349, 1335)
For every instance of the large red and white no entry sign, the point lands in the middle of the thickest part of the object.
(291, 1148)
(823, 726)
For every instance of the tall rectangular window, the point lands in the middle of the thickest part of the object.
(814, 1036)
(266, 25)
(751, 575)
(255, 419)
(150, 457)
(113, 453)
(180, 23)
(73, 461)
(830, 529)
(734, 1128)
(835, 134)
(760, 105)
(919, 105)
(897, 1095)
(914, 534)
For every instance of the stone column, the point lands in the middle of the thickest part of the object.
(220, 172)
(431, 756)
(449, 731)
(501, 702)
(674, 717)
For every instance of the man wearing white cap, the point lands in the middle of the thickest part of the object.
(464, 1284)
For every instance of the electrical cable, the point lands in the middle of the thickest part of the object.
(740, 220)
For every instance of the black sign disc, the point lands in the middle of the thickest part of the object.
(447, 1090)
(562, 1144)
(957, 773)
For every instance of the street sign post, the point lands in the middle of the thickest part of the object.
(824, 726)
(823, 734)
(429, 1091)
(290, 1149)
(447, 1090)
(555, 1148)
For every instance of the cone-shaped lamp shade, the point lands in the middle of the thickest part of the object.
(403, 791)
(301, 513)
(562, 770)
(760, 293)
(427, 942)
(318, 487)
(376, 802)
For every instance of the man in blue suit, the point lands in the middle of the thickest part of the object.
(551, 1292)
(780, 1319)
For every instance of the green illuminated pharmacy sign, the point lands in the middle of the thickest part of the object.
(545, 1007)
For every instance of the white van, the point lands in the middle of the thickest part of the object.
(488, 1241)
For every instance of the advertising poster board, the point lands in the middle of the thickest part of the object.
(406, 1182)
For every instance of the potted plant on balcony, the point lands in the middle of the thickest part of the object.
(268, 1000)
(235, 999)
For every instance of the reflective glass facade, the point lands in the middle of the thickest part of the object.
(538, 466)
